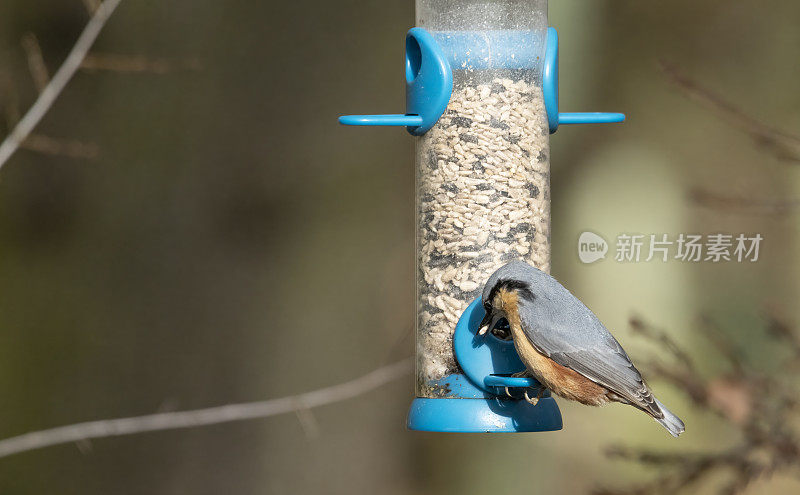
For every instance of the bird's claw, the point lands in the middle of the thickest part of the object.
(533, 400)
(524, 374)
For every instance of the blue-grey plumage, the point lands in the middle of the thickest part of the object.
(564, 345)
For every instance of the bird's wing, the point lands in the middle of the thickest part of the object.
(571, 335)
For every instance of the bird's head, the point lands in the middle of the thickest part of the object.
(508, 288)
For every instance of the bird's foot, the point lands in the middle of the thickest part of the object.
(519, 374)
(539, 392)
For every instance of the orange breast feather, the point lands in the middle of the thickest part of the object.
(559, 379)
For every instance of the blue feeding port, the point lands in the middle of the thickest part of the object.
(477, 401)
(550, 90)
(432, 58)
(429, 84)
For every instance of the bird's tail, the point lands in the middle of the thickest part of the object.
(672, 423)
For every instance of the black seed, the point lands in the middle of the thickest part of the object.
(450, 187)
(430, 309)
(462, 121)
(483, 258)
(437, 256)
(498, 124)
(433, 160)
(469, 138)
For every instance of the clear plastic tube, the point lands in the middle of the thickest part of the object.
(483, 187)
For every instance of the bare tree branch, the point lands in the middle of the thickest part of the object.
(308, 422)
(741, 204)
(91, 5)
(784, 145)
(779, 327)
(41, 143)
(60, 79)
(36, 64)
(301, 404)
(116, 62)
(759, 404)
(722, 343)
(641, 327)
(60, 147)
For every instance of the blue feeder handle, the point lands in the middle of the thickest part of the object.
(550, 90)
(510, 382)
(429, 85)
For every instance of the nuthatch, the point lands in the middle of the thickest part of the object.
(564, 345)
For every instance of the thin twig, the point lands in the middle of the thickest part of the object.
(780, 328)
(70, 148)
(760, 405)
(722, 343)
(115, 62)
(60, 79)
(683, 379)
(645, 456)
(784, 145)
(36, 64)
(308, 422)
(741, 204)
(202, 417)
(641, 327)
(91, 5)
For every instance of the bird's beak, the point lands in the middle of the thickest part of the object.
(488, 323)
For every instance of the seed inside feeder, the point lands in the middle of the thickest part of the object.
(483, 199)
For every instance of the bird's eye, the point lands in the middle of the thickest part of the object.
(487, 307)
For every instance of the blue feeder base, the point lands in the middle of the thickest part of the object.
(484, 415)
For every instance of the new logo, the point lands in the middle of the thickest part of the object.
(591, 247)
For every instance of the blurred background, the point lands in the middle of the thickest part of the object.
(189, 227)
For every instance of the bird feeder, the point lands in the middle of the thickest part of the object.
(482, 100)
